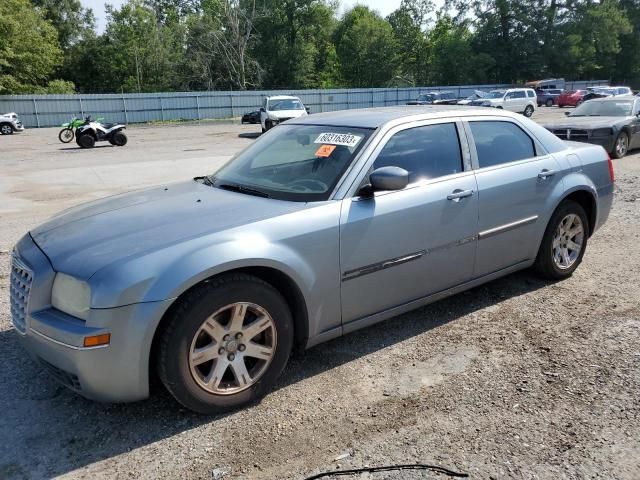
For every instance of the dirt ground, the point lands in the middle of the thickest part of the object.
(519, 378)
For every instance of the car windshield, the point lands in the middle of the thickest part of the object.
(496, 94)
(300, 163)
(426, 97)
(618, 108)
(285, 104)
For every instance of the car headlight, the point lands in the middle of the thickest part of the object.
(70, 295)
(602, 132)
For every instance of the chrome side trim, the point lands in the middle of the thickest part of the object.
(375, 267)
(505, 228)
(58, 342)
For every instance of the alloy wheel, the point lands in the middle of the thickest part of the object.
(568, 241)
(6, 130)
(621, 146)
(232, 348)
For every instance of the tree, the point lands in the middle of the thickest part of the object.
(142, 53)
(69, 18)
(295, 43)
(366, 49)
(412, 44)
(218, 46)
(29, 50)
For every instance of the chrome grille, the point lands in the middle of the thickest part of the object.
(19, 287)
(571, 134)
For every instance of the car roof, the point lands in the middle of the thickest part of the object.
(377, 117)
(615, 98)
(283, 97)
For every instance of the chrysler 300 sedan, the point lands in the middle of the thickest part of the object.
(324, 225)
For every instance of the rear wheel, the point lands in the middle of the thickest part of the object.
(119, 139)
(621, 147)
(226, 344)
(86, 141)
(528, 111)
(564, 242)
(6, 129)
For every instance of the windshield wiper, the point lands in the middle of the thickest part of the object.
(243, 189)
(206, 179)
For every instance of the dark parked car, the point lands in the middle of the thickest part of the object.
(604, 92)
(435, 98)
(251, 117)
(611, 122)
(548, 96)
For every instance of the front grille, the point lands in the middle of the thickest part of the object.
(67, 379)
(571, 134)
(19, 288)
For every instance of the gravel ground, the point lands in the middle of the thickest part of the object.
(519, 378)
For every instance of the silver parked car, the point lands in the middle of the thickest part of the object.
(324, 225)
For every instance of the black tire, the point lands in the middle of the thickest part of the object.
(66, 135)
(264, 129)
(185, 322)
(544, 264)
(86, 141)
(6, 129)
(268, 124)
(119, 139)
(621, 145)
(528, 111)
(549, 103)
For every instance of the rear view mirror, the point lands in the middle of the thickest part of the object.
(385, 179)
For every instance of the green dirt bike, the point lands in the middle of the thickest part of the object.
(67, 134)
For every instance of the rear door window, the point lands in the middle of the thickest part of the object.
(500, 142)
(426, 152)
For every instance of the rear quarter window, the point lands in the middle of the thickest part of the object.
(499, 142)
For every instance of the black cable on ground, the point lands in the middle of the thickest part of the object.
(388, 468)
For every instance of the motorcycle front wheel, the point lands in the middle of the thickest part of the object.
(66, 135)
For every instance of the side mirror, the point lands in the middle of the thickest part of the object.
(567, 113)
(262, 109)
(385, 179)
(308, 110)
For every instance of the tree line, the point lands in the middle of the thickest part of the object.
(51, 46)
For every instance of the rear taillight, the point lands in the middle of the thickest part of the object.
(611, 175)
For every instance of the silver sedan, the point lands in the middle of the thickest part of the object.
(324, 225)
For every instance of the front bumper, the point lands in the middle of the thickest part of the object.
(118, 372)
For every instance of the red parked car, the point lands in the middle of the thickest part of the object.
(571, 98)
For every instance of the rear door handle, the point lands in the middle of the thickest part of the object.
(546, 173)
(456, 195)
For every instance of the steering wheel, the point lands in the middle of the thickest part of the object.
(310, 184)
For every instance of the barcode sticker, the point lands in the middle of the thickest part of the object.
(346, 139)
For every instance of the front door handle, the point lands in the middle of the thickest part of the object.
(456, 195)
(546, 173)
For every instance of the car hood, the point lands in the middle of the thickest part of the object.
(588, 122)
(82, 240)
(287, 113)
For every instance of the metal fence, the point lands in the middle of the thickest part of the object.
(53, 110)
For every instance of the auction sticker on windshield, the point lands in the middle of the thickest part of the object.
(345, 139)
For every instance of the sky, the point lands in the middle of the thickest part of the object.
(384, 7)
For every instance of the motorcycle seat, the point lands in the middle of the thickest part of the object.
(108, 125)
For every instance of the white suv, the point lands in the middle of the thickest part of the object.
(9, 123)
(519, 100)
(280, 108)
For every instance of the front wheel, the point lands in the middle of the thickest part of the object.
(564, 242)
(621, 147)
(66, 135)
(6, 129)
(225, 344)
(528, 111)
(86, 141)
